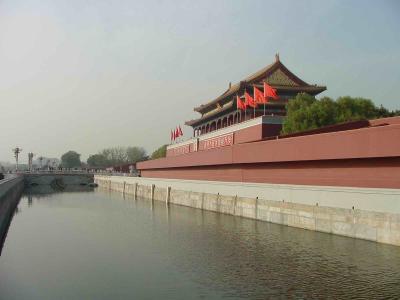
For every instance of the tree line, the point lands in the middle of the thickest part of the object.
(111, 157)
(117, 156)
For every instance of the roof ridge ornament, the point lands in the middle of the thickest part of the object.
(277, 57)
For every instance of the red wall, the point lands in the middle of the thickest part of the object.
(249, 134)
(365, 157)
(377, 173)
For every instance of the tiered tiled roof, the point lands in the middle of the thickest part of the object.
(275, 74)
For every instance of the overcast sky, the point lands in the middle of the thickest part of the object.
(85, 75)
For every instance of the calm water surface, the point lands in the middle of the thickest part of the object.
(99, 245)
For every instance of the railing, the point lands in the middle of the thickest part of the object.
(8, 177)
(55, 172)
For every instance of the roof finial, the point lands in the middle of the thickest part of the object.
(277, 57)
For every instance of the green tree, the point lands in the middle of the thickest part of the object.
(160, 152)
(71, 159)
(352, 109)
(115, 155)
(97, 160)
(121, 155)
(305, 112)
(135, 154)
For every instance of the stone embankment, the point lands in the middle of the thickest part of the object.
(370, 214)
(10, 192)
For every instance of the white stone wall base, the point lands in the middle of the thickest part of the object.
(370, 214)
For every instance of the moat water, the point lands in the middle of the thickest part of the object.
(101, 245)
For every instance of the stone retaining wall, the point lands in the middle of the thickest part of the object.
(10, 192)
(66, 179)
(378, 226)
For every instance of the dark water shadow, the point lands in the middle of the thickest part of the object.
(8, 208)
(6, 222)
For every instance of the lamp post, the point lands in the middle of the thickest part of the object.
(16, 151)
(30, 160)
(40, 158)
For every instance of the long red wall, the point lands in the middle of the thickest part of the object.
(375, 173)
(366, 157)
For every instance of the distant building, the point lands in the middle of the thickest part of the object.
(124, 168)
(46, 163)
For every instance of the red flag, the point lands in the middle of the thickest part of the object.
(269, 91)
(249, 101)
(180, 131)
(240, 104)
(176, 133)
(259, 96)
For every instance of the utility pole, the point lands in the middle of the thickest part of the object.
(16, 151)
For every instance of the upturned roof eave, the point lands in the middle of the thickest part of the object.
(308, 88)
(232, 90)
(210, 116)
(250, 80)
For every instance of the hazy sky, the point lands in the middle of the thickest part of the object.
(85, 75)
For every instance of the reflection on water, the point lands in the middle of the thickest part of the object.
(40, 190)
(100, 246)
(9, 208)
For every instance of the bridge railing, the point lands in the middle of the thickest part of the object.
(72, 172)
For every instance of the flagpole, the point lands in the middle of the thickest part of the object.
(237, 109)
(245, 109)
(254, 109)
(265, 99)
(255, 104)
